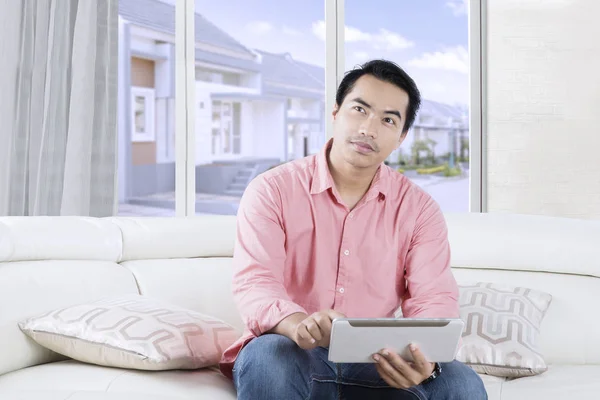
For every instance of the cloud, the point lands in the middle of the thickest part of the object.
(451, 59)
(382, 40)
(355, 35)
(264, 28)
(356, 58)
(290, 31)
(318, 29)
(458, 7)
(361, 56)
(259, 27)
(388, 40)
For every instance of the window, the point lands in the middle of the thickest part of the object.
(261, 74)
(225, 139)
(435, 154)
(257, 70)
(142, 108)
(147, 109)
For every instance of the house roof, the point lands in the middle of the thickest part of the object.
(160, 16)
(441, 110)
(314, 70)
(277, 68)
(283, 69)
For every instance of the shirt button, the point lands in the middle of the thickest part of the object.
(341, 290)
(351, 215)
(347, 252)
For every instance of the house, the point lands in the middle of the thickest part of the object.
(440, 128)
(303, 88)
(253, 109)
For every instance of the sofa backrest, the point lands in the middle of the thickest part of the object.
(51, 262)
(559, 256)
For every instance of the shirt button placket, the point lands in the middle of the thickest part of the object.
(343, 263)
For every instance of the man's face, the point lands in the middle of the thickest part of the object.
(367, 126)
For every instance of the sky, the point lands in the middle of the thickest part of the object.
(428, 38)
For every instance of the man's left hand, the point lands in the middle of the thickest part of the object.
(400, 374)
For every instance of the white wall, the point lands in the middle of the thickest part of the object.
(251, 80)
(543, 102)
(203, 123)
(269, 130)
(144, 44)
(247, 129)
(204, 118)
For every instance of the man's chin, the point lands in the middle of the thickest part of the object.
(361, 161)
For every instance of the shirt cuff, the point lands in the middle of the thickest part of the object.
(273, 314)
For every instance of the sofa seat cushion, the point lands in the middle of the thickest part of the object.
(81, 395)
(558, 382)
(60, 380)
(78, 381)
(493, 386)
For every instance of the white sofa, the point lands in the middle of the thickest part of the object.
(50, 262)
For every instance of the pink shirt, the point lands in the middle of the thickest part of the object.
(300, 249)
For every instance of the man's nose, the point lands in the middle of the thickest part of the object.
(370, 127)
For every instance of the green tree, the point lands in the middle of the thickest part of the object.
(420, 151)
(464, 147)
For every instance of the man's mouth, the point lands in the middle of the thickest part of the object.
(363, 147)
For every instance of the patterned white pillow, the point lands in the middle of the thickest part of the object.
(134, 332)
(502, 329)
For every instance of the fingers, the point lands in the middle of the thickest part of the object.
(334, 314)
(420, 362)
(387, 378)
(324, 323)
(313, 328)
(319, 326)
(390, 374)
(314, 331)
(400, 365)
(303, 337)
(400, 371)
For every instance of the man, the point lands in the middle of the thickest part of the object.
(341, 234)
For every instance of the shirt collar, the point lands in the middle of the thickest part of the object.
(322, 179)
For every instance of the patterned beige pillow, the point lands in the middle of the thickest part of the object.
(133, 332)
(502, 328)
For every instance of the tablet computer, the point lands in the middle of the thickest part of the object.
(355, 340)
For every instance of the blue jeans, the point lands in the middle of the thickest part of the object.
(274, 367)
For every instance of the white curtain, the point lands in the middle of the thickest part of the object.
(58, 116)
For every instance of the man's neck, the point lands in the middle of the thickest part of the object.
(349, 180)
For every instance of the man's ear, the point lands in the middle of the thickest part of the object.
(402, 137)
(336, 109)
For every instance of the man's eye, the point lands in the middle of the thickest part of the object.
(390, 121)
(359, 109)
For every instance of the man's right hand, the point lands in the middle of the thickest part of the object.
(315, 330)
(308, 331)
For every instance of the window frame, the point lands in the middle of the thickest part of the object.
(477, 106)
(334, 72)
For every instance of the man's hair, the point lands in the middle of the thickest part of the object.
(386, 71)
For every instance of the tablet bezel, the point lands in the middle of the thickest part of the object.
(454, 326)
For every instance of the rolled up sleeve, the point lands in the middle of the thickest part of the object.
(259, 260)
(431, 289)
